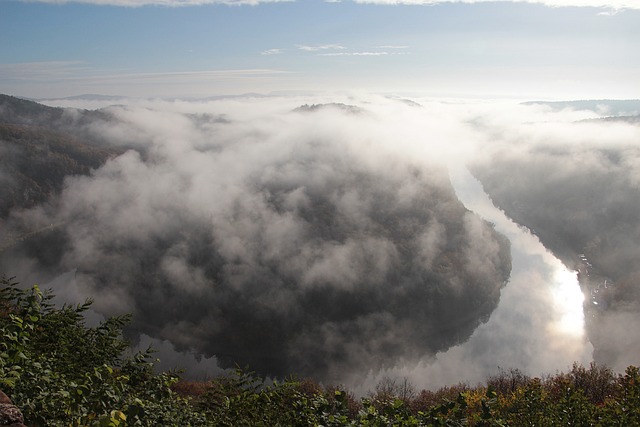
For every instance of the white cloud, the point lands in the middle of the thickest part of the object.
(272, 52)
(317, 48)
(614, 4)
(610, 12)
(354, 54)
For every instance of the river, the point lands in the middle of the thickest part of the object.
(538, 326)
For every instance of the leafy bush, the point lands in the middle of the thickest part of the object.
(61, 372)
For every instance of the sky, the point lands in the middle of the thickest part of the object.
(542, 49)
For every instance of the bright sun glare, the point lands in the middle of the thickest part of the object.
(568, 299)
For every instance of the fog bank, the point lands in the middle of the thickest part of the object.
(329, 241)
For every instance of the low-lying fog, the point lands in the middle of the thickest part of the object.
(324, 236)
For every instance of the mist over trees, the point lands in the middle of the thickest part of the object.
(322, 236)
(39, 149)
(266, 238)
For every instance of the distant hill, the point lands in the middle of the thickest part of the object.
(90, 97)
(351, 109)
(18, 111)
(619, 119)
(608, 107)
(24, 112)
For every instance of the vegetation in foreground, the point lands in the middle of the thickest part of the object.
(62, 373)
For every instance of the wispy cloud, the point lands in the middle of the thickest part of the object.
(272, 52)
(54, 79)
(77, 70)
(316, 48)
(206, 73)
(377, 51)
(354, 54)
(335, 49)
(613, 4)
(45, 70)
(610, 12)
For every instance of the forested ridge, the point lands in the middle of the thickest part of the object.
(60, 372)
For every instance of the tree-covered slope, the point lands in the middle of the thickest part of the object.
(39, 147)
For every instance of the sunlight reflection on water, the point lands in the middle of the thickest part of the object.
(567, 316)
(569, 300)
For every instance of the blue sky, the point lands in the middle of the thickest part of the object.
(543, 49)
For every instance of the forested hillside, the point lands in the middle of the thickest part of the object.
(39, 147)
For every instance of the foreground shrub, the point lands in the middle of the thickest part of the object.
(60, 372)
